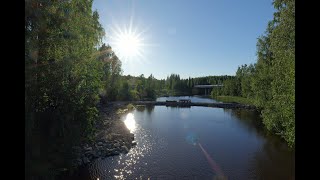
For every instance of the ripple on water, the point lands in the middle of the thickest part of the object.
(167, 148)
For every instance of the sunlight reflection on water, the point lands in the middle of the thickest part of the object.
(130, 165)
(130, 122)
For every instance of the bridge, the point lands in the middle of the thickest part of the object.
(207, 88)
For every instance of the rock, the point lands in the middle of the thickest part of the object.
(95, 154)
(88, 152)
(115, 152)
(125, 149)
(115, 136)
(88, 149)
(102, 153)
(132, 136)
(100, 143)
(109, 145)
(128, 145)
(78, 160)
(134, 143)
(85, 160)
(99, 153)
(116, 144)
(90, 157)
(110, 150)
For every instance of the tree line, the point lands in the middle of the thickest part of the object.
(148, 88)
(270, 82)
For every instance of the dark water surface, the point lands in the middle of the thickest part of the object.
(197, 143)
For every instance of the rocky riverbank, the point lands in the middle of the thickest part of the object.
(112, 136)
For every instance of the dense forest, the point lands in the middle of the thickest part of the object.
(270, 82)
(68, 71)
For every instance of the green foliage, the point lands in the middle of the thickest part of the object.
(231, 87)
(62, 79)
(134, 95)
(217, 91)
(236, 99)
(141, 88)
(271, 81)
(124, 93)
(283, 69)
(244, 77)
(112, 71)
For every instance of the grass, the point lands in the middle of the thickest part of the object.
(236, 99)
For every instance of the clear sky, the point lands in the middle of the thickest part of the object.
(187, 37)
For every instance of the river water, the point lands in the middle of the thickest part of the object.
(196, 143)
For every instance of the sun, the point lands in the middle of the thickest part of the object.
(127, 43)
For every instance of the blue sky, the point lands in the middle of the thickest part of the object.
(188, 37)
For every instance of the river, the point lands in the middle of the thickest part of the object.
(197, 143)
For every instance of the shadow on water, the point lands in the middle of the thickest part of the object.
(149, 109)
(273, 151)
(249, 119)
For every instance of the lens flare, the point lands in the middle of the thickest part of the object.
(192, 138)
(215, 167)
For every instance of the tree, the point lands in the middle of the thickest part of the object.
(279, 114)
(273, 82)
(62, 79)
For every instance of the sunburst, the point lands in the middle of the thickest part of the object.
(128, 43)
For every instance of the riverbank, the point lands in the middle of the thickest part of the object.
(111, 138)
(235, 99)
